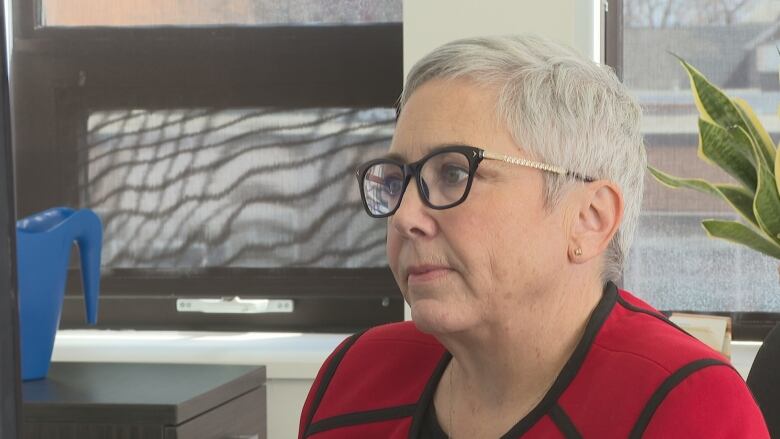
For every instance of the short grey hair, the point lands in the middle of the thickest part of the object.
(563, 108)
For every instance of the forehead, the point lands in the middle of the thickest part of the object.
(447, 112)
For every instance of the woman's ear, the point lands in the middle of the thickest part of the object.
(600, 212)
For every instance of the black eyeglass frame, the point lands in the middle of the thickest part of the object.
(473, 154)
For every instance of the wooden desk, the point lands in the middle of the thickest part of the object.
(146, 401)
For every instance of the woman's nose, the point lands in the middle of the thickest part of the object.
(413, 218)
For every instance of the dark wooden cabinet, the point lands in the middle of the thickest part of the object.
(146, 401)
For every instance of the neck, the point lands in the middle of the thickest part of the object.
(511, 362)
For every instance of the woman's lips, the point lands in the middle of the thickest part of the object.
(426, 274)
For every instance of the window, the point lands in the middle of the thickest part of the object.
(188, 188)
(673, 265)
(188, 13)
(218, 146)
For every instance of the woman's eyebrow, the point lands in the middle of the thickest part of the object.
(394, 156)
(400, 157)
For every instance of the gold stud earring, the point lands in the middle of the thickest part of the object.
(577, 251)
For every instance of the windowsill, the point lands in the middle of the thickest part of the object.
(742, 355)
(286, 355)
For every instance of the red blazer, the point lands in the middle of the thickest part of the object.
(634, 374)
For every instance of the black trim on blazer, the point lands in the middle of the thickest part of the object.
(334, 363)
(659, 316)
(426, 398)
(562, 420)
(357, 418)
(667, 386)
(572, 367)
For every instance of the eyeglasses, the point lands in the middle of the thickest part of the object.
(443, 178)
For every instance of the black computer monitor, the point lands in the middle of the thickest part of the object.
(10, 386)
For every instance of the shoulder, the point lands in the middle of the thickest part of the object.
(706, 399)
(387, 346)
(383, 368)
(696, 391)
(639, 359)
(398, 333)
(387, 351)
(392, 339)
(637, 330)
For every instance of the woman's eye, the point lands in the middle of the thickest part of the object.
(393, 185)
(452, 174)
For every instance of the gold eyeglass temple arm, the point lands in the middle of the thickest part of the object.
(523, 162)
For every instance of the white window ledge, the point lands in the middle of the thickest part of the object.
(742, 355)
(285, 355)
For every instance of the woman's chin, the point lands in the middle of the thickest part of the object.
(433, 317)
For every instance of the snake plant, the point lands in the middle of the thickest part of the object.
(732, 138)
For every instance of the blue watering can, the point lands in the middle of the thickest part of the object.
(43, 243)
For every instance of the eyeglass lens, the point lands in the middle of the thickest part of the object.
(444, 179)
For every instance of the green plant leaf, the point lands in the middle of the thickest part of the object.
(740, 199)
(719, 147)
(676, 182)
(747, 145)
(737, 197)
(713, 104)
(766, 205)
(733, 138)
(777, 171)
(741, 234)
(756, 130)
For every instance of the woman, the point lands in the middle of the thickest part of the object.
(512, 190)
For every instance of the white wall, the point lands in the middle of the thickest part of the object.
(431, 23)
